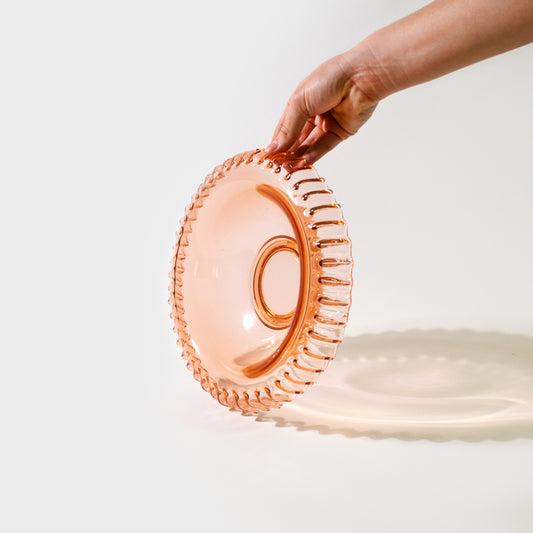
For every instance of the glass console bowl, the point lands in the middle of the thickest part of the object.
(261, 280)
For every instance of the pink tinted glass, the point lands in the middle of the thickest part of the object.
(260, 281)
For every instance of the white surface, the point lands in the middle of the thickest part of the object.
(111, 113)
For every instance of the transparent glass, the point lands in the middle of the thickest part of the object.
(261, 280)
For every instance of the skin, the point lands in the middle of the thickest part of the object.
(337, 98)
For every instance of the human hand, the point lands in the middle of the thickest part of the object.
(335, 100)
(326, 108)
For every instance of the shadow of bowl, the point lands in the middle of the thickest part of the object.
(438, 385)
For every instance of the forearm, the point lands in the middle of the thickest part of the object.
(444, 36)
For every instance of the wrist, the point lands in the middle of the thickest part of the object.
(370, 70)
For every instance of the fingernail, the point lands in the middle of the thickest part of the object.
(272, 146)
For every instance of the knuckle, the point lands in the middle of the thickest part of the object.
(299, 99)
(284, 130)
(294, 100)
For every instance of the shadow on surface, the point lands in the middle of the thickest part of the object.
(438, 385)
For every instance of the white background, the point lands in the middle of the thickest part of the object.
(111, 114)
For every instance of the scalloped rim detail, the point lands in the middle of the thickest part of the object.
(329, 293)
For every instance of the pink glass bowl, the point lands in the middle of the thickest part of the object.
(261, 280)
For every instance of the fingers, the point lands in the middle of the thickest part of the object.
(311, 139)
(309, 126)
(333, 127)
(326, 108)
(320, 144)
(290, 125)
(326, 134)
